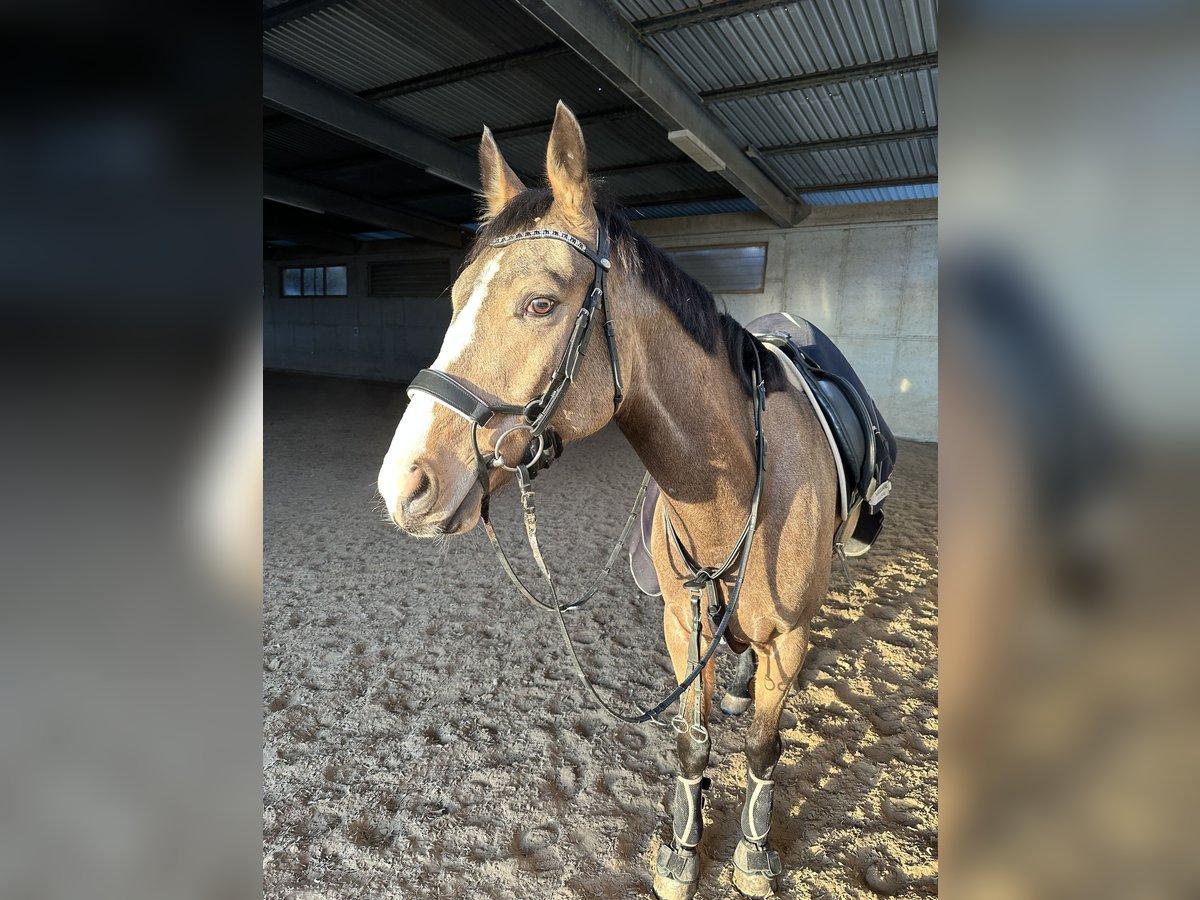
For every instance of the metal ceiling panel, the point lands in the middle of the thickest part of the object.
(508, 98)
(873, 195)
(900, 159)
(798, 38)
(871, 106)
(705, 208)
(623, 142)
(650, 182)
(362, 44)
(633, 10)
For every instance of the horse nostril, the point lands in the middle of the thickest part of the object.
(414, 486)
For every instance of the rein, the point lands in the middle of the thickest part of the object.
(545, 446)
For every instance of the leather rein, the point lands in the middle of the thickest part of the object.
(545, 446)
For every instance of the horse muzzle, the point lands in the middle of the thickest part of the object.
(425, 502)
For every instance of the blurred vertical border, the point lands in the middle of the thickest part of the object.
(1069, 149)
(130, 242)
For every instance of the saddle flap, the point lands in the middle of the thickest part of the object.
(852, 434)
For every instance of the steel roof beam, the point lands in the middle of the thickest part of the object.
(315, 198)
(612, 47)
(867, 185)
(649, 166)
(691, 195)
(864, 140)
(544, 126)
(335, 110)
(702, 195)
(821, 79)
(317, 238)
(720, 10)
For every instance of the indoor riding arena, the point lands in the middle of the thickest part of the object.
(426, 732)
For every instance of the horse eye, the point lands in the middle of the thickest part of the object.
(540, 306)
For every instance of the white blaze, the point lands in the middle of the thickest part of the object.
(412, 434)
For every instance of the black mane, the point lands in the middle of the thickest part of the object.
(691, 302)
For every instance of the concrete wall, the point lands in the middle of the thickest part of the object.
(865, 275)
(357, 336)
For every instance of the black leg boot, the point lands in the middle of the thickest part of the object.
(677, 872)
(756, 866)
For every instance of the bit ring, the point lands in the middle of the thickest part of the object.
(498, 460)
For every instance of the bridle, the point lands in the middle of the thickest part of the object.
(545, 446)
(537, 413)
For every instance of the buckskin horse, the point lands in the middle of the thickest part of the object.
(549, 268)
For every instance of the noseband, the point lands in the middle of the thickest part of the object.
(545, 445)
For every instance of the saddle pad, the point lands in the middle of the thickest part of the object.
(641, 565)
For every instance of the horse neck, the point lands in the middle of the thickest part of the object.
(689, 420)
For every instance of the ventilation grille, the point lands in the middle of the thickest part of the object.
(411, 278)
(725, 270)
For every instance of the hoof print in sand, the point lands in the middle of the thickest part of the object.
(536, 848)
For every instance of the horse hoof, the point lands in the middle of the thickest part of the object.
(755, 869)
(676, 874)
(753, 885)
(666, 888)
(734, 706)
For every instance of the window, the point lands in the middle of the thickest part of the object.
(314, 281)
(728, 270)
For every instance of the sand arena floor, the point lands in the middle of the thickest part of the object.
(424, 735)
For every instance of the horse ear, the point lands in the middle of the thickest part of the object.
(566, 169)
(500, 182)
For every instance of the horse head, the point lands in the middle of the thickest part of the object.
(515, 309)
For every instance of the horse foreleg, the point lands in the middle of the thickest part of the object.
(677, 871)
(737, 696)
(756, 866)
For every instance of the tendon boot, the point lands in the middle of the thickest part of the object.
(755, 866)
(677, 872)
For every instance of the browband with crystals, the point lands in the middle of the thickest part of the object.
(601, 261)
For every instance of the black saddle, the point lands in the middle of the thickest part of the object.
(864, 444)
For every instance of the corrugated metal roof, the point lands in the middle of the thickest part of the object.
(361, 44)
(644, 9)
(887, 103)
(624, 141)
(508, 98)
(706, 208)
(872, 195)
(899, 159)
(652, 182)
(797, 39)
